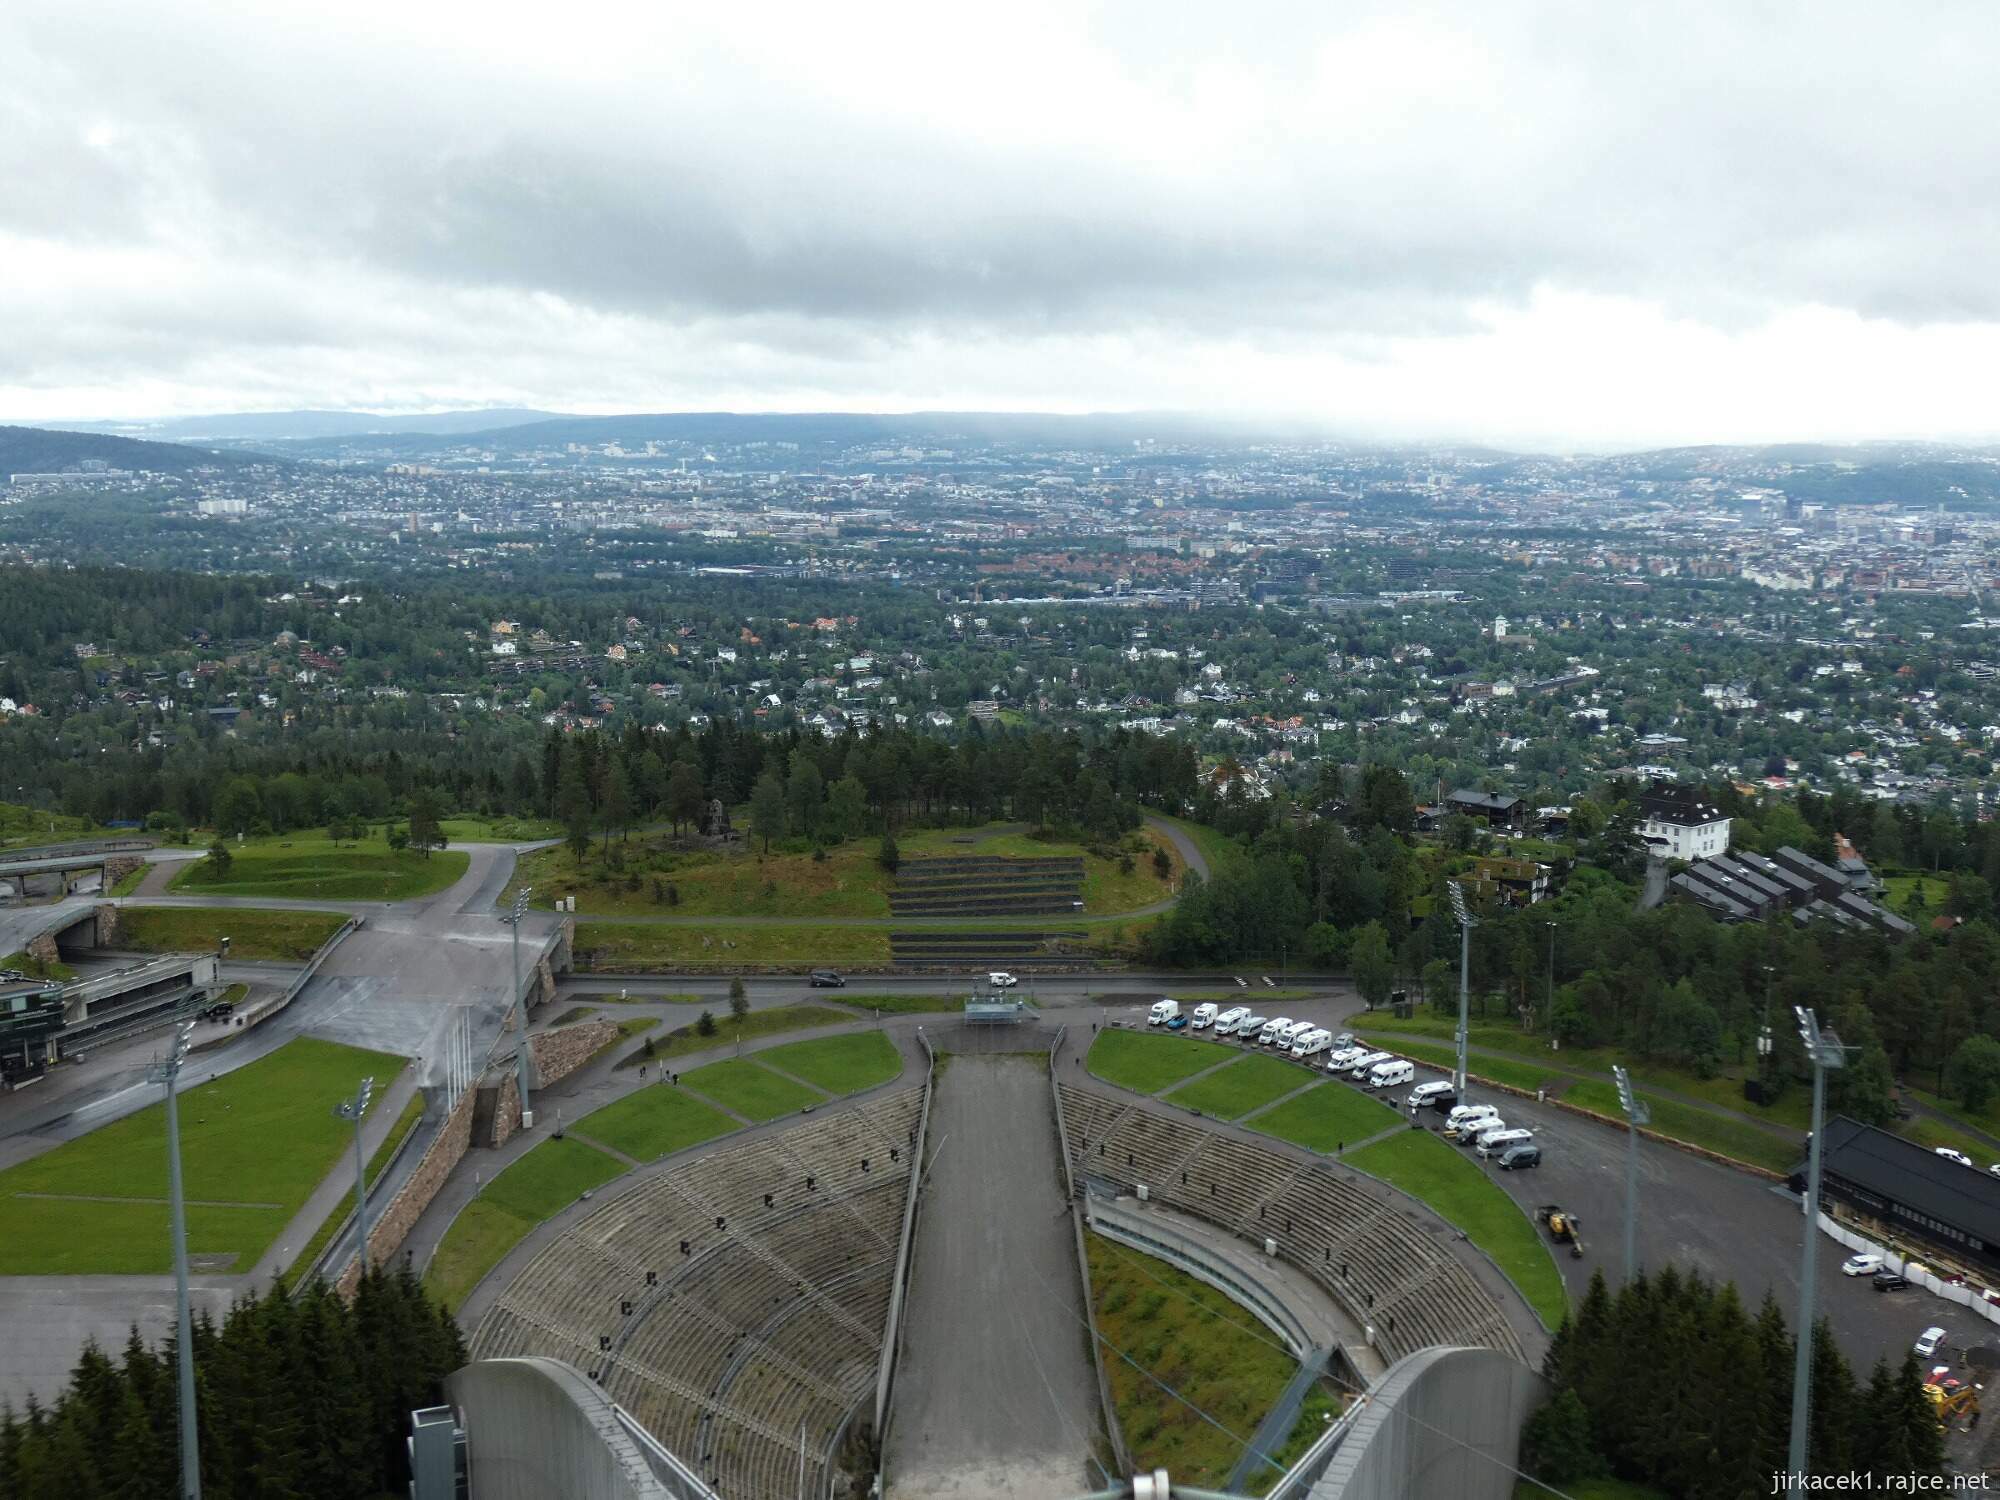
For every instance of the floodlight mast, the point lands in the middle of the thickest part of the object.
(167, 1071)
(352, 1110)
(1825, 1052)
(1466, 922)
(1636, 1114)
(513, 921)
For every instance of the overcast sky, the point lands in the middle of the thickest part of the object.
(1590, 225)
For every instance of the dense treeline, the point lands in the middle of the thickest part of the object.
(1672, 1384)
(305, 1399)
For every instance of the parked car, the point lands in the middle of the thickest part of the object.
(1525, 1154)
(1950, 1155)
(1250, 1026)
(1930, 1341)
(1891, 1281)
(1345, 1039)
(1229, 1020)
(11, 976)
(1177, 1023)
(825, 979)
(1000, 979)
(1861, 1265)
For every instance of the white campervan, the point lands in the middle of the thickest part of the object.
(1363, 1065)
(1162, 1012)
(1423, 1093)
(1496, 1141)
(1342, 1058)
(1391, 1074)
(1465, 1116)
(1203, 1018)
(1229, 1020)
(1312, 1043)
(1482, 1130)
(1271, 1029)
(1291, 1035)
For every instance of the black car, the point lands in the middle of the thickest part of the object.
(1891, 1281)
(1524, 1155)
(826, 979)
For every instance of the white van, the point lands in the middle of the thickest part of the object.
(1312, 1043)
(1423, 1093)
(1342, 1058)
(1229, 1020)
(1271, 1030)
(1465, 1116)
(1204, 1017)
(1162, 1012)
(1291, 1035)
(1479, 1132)
(1496, 1141)
(1390, 1074)
(1363, 1065)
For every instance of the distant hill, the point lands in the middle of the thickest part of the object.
(282, 425)
(42, 450)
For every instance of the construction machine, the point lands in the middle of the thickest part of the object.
(1950, 1405)
(1563, 1227)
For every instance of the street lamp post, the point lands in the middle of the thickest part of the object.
(1466, 922)
(1636, 1114)
(167, 1071)
(513, 920)
(1824, 1052)
(352, 1110)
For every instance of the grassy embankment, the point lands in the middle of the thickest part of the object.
(311, 866)
(254, 1145)
(1189, 1337)
(284, 936)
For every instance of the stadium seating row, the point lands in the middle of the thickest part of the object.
(734, 1300)
(1378, 1257)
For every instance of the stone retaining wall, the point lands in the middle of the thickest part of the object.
(393, 1225)
(118, 867)
(556, 1054)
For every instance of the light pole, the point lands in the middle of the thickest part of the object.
(1824, 1051)
(513, 921)
(1466, 922)
(167, 1071)
(1636, 1114)
(352, 1110)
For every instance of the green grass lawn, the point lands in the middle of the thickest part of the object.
(1931, 1134)
(605, 997)
(839, 1064)
(1246, 1084)
(1227, 998)
(1518, 1075)
(1898, 889)
(638, 947)
(377, 1163)
(292, 936)
(470, 828)
(543, 1182)
(753, 1091)
(683, 1040)
(1192, 1339)
(1148, 1061)
(311, 866)
(1329, 1117)
(20, 824)
(654, 1121)
(1453, 1184)
(129, 882)
(262, 1135)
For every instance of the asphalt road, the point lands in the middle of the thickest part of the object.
(995, 1394)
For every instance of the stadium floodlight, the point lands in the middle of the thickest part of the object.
(1636, 1114)
(513, 921)
(1466, 922)
(352, 1110)
(1825, 1052)
(167, 1071)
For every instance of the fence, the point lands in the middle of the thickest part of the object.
(899, 1289)
(1979, 1299)
(1120, 1454)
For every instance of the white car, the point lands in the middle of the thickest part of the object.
(1950, 1155)
(1861, 1265)
(1002, 981)
(1929, 1341)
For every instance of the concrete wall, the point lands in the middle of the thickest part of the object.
(535, 1429)
(392, 1225)
(1441, 1424)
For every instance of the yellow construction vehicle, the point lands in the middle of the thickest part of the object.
(1562, 1226)
(1951, 1405)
